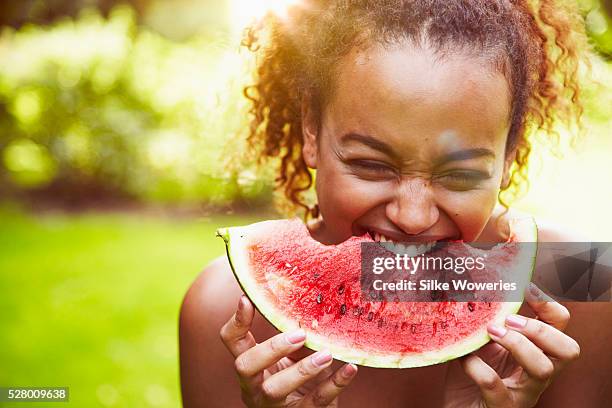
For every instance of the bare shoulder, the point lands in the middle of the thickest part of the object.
(550, 231)
(214, 288)
(205, 365)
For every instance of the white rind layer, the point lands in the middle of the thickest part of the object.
(237, 238)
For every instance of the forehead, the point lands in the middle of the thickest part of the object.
(403, 92)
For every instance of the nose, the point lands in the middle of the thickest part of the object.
(413, 208)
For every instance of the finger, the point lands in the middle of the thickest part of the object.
(535, 363)
(278, 386)
(546, 308)
(490, 352)
(265, 354)
(552, 341)
(492, 388)
(235, 333)
(326, 392)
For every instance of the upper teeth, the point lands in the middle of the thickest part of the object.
(404, 248)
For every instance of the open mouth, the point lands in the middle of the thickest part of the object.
(403, 248)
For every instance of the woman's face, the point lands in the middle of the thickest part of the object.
(410, 145)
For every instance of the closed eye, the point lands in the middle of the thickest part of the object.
(372, 167)
(462, 180)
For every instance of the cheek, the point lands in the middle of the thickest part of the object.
(470, 211)
(343, 198)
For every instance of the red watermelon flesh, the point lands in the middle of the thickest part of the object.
(295, 281)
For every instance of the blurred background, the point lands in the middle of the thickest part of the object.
(117, 120)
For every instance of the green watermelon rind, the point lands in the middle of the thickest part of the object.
(524, 229)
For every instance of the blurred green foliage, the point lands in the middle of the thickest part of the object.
(102, 107)
(598, 19)
(92, 301)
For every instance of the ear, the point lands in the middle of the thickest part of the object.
(506, 174)
(310, 130)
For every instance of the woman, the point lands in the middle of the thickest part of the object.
(415, 115)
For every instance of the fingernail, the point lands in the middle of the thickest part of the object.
(320, 358)
(535, 291)
(349, 370)
(497, 331)
(241, 302)
(296, 337)
(516, 321)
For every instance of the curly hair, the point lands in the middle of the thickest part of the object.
(537, 45)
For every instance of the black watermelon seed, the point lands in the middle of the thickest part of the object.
(471, 306)
(319, 298)
(343, 309)
(316, 275)
(341, 289)
(370, 316)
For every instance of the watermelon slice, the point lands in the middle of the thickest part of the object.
(296, 282)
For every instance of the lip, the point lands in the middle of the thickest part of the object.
(399, 237)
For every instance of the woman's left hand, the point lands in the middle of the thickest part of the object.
(514, 369)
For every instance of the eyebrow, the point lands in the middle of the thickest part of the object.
(370, 142)
(382, 147)
(466, 154)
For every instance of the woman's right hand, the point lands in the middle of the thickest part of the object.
(269, 378)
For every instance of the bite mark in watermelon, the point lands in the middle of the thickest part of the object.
(296, 282)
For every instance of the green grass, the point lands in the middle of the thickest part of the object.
(91, 302)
